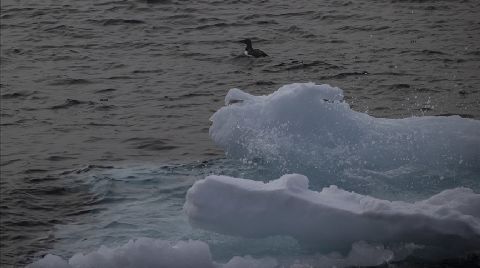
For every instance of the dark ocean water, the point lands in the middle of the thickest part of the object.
(89, 88)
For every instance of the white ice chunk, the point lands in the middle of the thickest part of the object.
(236, 95)
(304, 127)
(248, 261)
(50, 261)
(139, 253)
(333, 217)
(151, 253)
(361, 254)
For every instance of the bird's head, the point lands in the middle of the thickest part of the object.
(246, 41)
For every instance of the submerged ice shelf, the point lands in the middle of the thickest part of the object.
(333, 217)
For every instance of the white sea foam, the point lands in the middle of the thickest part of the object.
(309, 129)
(449, 220)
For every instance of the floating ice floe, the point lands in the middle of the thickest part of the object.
(333, 218)
(309, 129)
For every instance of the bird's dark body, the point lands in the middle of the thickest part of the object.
(250, 51)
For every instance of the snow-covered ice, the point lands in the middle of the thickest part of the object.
(309, 129)
(139, 253)
(333, 217)
(152, 253)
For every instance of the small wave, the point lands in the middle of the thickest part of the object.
(8, 162)
(157, 71)
(366, 28)
(194, 94)
(336, 41)
(106, 90)
(380, 108)
(58, 158)
(85, 211)
(299, 65)
(105, 107)
(293, 14)
(392, 73)
(334, 17)
(56, 27)
(432, 52)
(102, 124)
(85, 169)
(454, 60)
(70, 103)
(181, 16)
(249, 16)
(36, 223)
(153, 144)
(298, 31)
(265, 22)
(346, 74)
(424, 52)
(219, 25)
(474, 53)
(399, 86)
(108, 22)
(34, 170)
(414, 1)
(18, 94)
(122, 77)
(157, 1)
(70, 81)
(51, 190)
(119, 225)
(209, 19)
(426, 89)
(264, 83)
(304, 65)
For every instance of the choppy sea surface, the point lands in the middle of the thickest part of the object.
(105, 105)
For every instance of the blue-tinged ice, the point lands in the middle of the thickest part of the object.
(309, 129)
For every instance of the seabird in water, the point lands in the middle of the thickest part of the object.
(250, 51)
